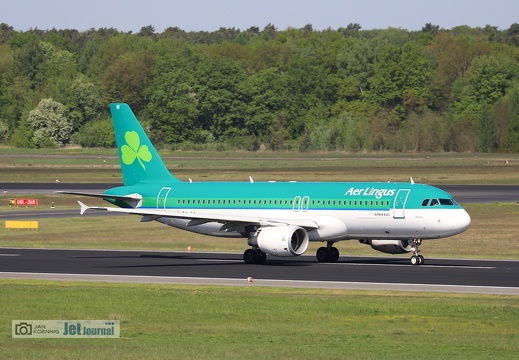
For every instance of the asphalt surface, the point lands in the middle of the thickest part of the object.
(375, 273)
(382, 273)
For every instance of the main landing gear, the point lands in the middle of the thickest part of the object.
(328, 254)
(416, 259)
(254, 256)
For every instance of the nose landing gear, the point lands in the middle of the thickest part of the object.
(416, 259)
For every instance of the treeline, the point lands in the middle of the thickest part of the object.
(343, 89)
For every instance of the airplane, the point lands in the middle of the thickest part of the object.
(277, 218)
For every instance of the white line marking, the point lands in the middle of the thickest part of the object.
(10, 255)
(218, 260)
(418, 266)
(240, 253)
(347, 285)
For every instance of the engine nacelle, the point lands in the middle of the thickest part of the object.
(390, 246)
(281, 240)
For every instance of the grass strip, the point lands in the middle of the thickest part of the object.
(493, 234)
(209, 322)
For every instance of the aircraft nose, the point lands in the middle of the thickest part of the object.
(462, 221)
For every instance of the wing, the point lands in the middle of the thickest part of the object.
(201, 218)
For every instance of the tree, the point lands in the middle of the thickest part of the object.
(454, 57)
(127, 79)
(98, 133)
(484, 83)
(173, 107)
(4, 130)
(147, 31)
(86, 104)
(218, 85)
(259, 95)
(511, 143)
(269, 32)
(114, 48)
(49, 125)
(402, 77)
(513, 34)
(351, 30)
(486, 130)
(16, 101)
(431, 29)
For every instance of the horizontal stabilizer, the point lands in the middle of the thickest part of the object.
(102, 196)
(85, 208)
(133, 200)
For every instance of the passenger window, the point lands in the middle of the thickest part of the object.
(425, 202)
(434, 202)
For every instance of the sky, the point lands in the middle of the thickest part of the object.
(210, 15)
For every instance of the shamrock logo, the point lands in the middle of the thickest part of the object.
(133, 150)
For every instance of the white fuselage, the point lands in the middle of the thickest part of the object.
(334, 225)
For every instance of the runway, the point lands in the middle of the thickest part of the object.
(373, 273)
(369, 273)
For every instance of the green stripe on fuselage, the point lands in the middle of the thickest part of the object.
(283, 195)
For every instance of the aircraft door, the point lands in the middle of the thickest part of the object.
(162, 197)
(300, 203)
(399, 204)
(304, 205)
(296, 204)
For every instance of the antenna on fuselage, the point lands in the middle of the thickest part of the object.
(251, 180)
(412, 181)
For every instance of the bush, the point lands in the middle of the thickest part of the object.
(97, 134)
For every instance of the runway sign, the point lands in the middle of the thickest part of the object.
(17, 224)
(23, 202)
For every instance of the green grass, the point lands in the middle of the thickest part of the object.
(103, 166)
(493, 234)
(205, 322)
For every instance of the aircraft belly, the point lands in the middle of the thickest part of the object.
(208, 228)
(330, 227)
(422, 224)
(383, 225)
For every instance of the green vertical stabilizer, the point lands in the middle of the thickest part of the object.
(140, 162)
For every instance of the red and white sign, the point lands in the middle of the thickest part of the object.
(26, 202)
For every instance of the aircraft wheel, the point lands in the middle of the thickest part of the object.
(262, 258)
(334, 254)
(414, 260)
(323, 254)
(421, 260)
(251, 256)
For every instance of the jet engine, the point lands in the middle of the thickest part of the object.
(390, 246)
(281, 240)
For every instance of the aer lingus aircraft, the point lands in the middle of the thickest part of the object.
(278, 218)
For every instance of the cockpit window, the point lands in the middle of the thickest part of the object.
(425, 202)
(447, 202)
(434, 202)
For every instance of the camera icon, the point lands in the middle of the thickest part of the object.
(23, 329)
